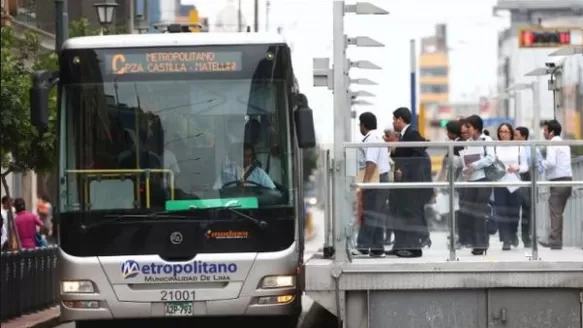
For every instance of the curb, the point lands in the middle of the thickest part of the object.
(47, 323)
(44, 319)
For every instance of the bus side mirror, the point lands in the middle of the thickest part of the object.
(305, 131)
(42, 82)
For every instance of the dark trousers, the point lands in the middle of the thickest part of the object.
(475, 211)
(463, 224)
(525, 205)
(507, 206)
(557, 203)
(374, 217)
(410, 229)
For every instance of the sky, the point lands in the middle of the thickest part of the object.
(307, 25)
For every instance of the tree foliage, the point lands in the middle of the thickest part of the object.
(22, 148)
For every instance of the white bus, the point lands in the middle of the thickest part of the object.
(180, 181)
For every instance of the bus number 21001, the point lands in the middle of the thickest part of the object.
(176, 295)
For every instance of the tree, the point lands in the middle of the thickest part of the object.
(22, 148)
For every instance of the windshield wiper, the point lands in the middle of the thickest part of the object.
(260, 223)
(136, 217)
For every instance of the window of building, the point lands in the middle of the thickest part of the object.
(434, 88)
(434, 71)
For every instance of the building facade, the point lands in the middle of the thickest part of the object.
(434, 81)
(515, 62)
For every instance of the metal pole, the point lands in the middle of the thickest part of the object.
(452, 225)
(267, 7)
(146, 14)
(413, 84)
(59, 24)
(533, 197)
(517, 109)
(329, 224)
(340, 112)
(256, 16)
(131, 12)
(239, 17)
(536, 108)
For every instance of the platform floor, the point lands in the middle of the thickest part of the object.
(439, 253)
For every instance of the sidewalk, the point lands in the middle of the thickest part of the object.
(43, 319)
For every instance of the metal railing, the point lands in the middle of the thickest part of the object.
(29, 281)
(341, 178)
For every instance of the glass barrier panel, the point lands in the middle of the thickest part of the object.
(506, 201)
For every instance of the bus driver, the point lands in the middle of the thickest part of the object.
(249, 175)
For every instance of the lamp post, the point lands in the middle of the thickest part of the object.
(534, 87)
(105, 13)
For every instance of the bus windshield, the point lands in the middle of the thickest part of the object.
(165, 139)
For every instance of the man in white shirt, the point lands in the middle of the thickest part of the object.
(557, 165)
(374, 161)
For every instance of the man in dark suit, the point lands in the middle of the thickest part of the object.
(410, 229)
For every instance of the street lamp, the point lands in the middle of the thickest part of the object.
(568, 51)
(105, 12)
(534, 87)
(509, 95)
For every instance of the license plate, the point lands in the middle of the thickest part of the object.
(178, 309)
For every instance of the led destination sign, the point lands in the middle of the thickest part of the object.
(173, 62)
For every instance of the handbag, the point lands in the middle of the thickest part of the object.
(40, 241)
(496, 171)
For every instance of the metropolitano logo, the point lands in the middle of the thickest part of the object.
(130, 269)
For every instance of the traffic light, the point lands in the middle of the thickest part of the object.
(439, 123)
(544, 37)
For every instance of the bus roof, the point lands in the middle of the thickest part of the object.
(171, 39)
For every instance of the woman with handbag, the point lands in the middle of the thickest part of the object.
(474, 206)
(507, 200)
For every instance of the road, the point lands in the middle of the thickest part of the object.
(312, 247)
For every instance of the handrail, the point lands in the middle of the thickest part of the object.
(121, 172)
(444, 144)
(462, 184)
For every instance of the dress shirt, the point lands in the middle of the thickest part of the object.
(378, 156)
(558, 161)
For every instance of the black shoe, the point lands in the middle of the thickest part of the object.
(392, 252)
(377, 254)
(360, 252)
(479, 251)
(409, 253)
(506, 246)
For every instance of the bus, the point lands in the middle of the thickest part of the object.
(180, 181)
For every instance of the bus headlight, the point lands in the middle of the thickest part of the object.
(80, 286)
(278, 282)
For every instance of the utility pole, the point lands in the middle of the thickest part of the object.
(338, 80)
(256, 16)
(131, 12)
(267, 8)
(239, 17)
(413, 54)
(62, 24)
